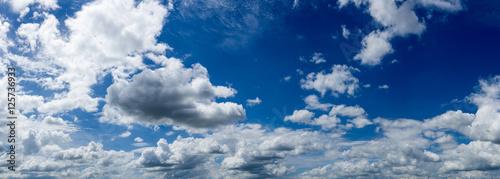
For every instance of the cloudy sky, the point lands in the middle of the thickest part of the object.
(252, 89)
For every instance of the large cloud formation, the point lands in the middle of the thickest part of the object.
(174, 94)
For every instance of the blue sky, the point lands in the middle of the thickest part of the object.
(259, 89)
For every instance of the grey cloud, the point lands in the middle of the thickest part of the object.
(173, 95)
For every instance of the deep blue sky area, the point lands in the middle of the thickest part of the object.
(442, 64)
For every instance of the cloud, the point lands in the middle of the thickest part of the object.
(343, 169)
(253, 102)
(139, 142)
(397, 19)
(486, 125)
(172, 95)
(5, 42)
(182, 154)
(287, 78)
(339, 81)
(313, 103)
(138, 139)
(88, 50)
(383, 87)
(345, 32)
(357, 115)
(300, 116)
(477, 155)
(317, 58)
(18, 5)
(125, 134)
(375, 46)
(256, 151)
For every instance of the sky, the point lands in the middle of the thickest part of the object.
(252, 89)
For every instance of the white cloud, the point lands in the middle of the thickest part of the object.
(339, 81)
(295, 3)
(138, 139)
(23, 13)
(317, 58)
(88, 50)
(448, 5)
(5, 42)
(343, 169)
(367, 85)
(477, 155)
(345, 32)
(486, 125)
(397, 19)
(253, 102)
(383, 87)
(182, 154)
(287, 78)
(300, 116)
(356, 114)
(375, 46)
(175, 95)
(313, 103)
(125, 134)
(19, 5)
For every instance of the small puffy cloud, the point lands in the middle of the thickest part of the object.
(383, 87)
(253, 102)
(138, 139)
(367, 85)
(339, 81)
(54, 121)
(300, 116)
(173, 95)
(313, 103)
(375, 46)
(345, 32)
(357, 115)
(287, 78)
(125, 134)
(317, 58)
(139, 142)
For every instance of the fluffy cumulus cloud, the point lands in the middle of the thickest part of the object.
(98, 41)
(175, 95)
(21, 5)
(339, 81)
(183, 153)
(355, 116)
(397, 19)
(486, 125)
